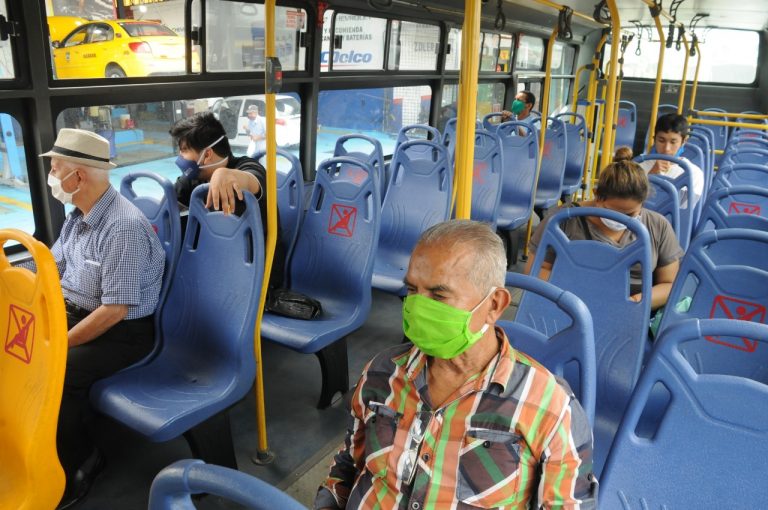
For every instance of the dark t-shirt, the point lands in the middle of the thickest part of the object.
(664, 246)
(185, 185)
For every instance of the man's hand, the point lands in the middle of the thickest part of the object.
(661, 166)
(636, 297)
(225, 184)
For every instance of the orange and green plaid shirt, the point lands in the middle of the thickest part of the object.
(510, 437)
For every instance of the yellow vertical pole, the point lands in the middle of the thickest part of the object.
(684, 81)
(575, 94)
(695, 85)
(610, 97)
(657, 87)
(590, 113)
(263, 454)
(543, 131)
(465, 123)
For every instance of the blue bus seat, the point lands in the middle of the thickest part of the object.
(417, 132)
(658, 458)
(206, 362)
(748, 154)
(520, 156)
(290, 198)
(626, 125)
(561, 347)
(757, 133)
(720, 133)
(664, 200)
(449, 136)
(332, 263)
(173, 487)
(552, 168)
(735, 207)
(688, 215)
(576, 132)
(487, 171)
(374, 156)
(491, 121)
(702, 140)
(418, 196)
(725, 275)
(740, 174)
(620, 324)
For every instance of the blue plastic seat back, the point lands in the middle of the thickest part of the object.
(739, 131)
(491, 121)
(664, 200)
(486, 177)
(418, 196)
(740, 174)
(417, 132)
(701, 140)
(173, 487)
(754, 155)
(576, 132)
(550, 185)
(626, 126)
(366, 149)
(211, 306)
(738, 143)
(735, 207)
(520, 156)
(662, 110)
(598, 273)
(449, 136)
(707, 420)
(333, 258)
(694, 153)
(725, 275)
(684, 183)
(568, 351)
(290, 195)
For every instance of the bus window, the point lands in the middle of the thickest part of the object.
(559, 97)
(505, 53)
(562, 59)
(379, 113)
(530, 53)
(413, 46)
(727, 56)
(490, 98)
(359, 43)
(453, 58)
(15, 199)
(235, 37)
(489, 52)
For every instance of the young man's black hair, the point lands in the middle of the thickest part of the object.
(199, 131)
(672, 123)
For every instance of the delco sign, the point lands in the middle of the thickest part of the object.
(347, 57)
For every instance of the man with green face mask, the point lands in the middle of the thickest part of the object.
(521, 107)
(459, 419)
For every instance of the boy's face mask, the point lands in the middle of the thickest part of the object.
(518, 107)
(190, 168)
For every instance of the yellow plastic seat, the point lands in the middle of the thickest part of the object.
(33, 326)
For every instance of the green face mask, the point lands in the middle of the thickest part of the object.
(438, 329)
(517, 107)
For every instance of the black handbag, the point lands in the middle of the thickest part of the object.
(289, 303)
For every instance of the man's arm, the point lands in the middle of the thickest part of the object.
(567, 480)
(663, 278)
(96, 323)
(228, 183)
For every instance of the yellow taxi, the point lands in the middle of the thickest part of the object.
(119, 48)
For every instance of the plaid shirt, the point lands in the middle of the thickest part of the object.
(110, 256)
(510, 437)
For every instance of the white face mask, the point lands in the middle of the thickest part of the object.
(616, 226)
(56, 190)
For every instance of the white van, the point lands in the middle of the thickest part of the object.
(231, 112)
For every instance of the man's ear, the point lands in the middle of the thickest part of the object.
(500, 300)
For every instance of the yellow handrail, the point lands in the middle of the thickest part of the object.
(610, 98)
(599, 133)
(592, 148)
(465, 122)
(575, 100)
(657, 87)
(695, 86)
(744, 125)
(263, 455)
(684, 81)
(752, 116)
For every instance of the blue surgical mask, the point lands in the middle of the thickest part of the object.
(191, 169)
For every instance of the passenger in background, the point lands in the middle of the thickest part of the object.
(670, 135)
(257, 131)
(623, 187)
(521, 108)
(459, 418)
(206, 157)
(111, 266)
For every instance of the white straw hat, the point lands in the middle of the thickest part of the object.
(82, 147)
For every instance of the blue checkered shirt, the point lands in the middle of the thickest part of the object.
(110, 256)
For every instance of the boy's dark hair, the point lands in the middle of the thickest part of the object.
(623, 179)
(199, 131)
(672, 123)
(530, 98)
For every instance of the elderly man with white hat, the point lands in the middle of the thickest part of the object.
(111, 266)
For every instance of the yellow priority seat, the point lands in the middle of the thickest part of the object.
(33, 326)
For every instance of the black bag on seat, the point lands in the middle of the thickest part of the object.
(292, 304)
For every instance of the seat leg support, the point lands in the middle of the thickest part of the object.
(211, 441)
(334, 366)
